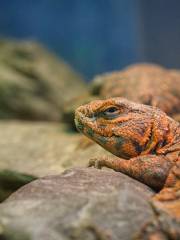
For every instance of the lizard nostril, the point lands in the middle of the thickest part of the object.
(84, 111)
(81, 110)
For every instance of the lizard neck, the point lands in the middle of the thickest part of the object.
(165, 133)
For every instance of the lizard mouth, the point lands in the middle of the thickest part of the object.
(85, 121)
(108, 140)
(82, 119)
(104, 140)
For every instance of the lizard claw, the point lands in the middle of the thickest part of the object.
(94, 162)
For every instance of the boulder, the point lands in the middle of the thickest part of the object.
(80, 204)
(34, 83)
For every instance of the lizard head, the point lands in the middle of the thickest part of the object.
(122, 127)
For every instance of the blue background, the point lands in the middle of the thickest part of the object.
(95, 36)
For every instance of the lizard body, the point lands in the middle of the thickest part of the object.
(146, 145)
(149, 84)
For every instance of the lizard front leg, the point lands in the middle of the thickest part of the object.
(150, 169)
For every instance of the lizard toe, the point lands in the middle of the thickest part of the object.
(94, 162)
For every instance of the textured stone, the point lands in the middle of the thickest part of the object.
(41, 149)
(34, 84)
(80, 204)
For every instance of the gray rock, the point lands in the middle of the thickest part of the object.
(39, 149)
(35, 84)
(80, 204)
(42, 149)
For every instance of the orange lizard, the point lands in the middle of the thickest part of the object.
(146, 145)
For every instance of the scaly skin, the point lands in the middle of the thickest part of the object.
(148, 84)
(146, 145)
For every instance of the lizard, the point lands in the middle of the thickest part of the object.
(145, 144)
(145, 83)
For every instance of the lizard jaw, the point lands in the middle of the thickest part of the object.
(85, 125)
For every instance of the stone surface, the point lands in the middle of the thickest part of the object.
(41, 149)
(80, 204)
(34, 84)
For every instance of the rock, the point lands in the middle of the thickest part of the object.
(34, 84)
(41, 149)
(10, 181)
(80, 204)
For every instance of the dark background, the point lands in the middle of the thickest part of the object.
(98, 35)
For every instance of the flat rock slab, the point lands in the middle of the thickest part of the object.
(80, 204)
(41, 148)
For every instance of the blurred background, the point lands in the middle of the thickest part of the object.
(50, 50)
(97, 36)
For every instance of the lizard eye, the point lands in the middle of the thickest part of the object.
(111, 112)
